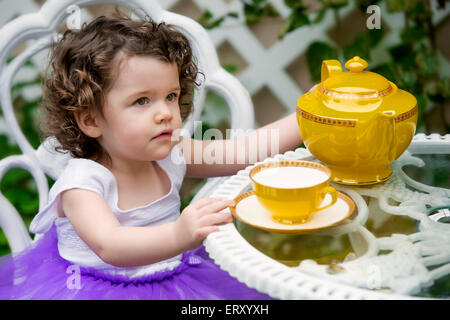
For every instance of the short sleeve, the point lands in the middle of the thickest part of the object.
(79, 173)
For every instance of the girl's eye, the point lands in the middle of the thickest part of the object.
(141, 101)
(172, 97)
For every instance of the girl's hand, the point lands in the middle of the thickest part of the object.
(199, 220)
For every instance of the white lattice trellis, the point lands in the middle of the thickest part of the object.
(265, 67)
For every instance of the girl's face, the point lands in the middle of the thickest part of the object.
(141, 110)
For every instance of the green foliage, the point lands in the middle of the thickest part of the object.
(17, 185)
(401, 5)
(254, 10)
(298, 17)
(440, 289)
(413, 63)
(208, 21)
(334, 4)
(316, 53)
(363, 44)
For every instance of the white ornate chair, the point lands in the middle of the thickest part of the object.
(42, 26)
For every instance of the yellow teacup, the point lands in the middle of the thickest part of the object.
(292, 190)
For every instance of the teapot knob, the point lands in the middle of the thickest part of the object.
(356, 64)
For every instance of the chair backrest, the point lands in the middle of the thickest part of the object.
(42, 27)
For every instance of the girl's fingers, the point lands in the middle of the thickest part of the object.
(203, 202)
(216, 206)
(205, 231)
(215, 218)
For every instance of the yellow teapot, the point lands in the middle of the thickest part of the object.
(356, 122)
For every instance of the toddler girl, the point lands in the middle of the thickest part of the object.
(115, 98)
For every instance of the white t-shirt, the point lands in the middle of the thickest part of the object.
(90, 175)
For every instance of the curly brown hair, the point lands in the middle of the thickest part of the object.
(81, 72)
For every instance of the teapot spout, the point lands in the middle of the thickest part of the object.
(386, 121)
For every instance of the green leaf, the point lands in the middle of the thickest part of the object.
(395, 5)
(416, 10)
(386, 71)
(4, 247)
(360, 47)
(422, 103)
(270, 11)
(208, 22)
(363, 44)
(20, 85)
(295, 4)
(405, 79)
(296, 20)
(257, 9)
(300, 18)
(320, 15)
(404, 55)
(408, 79)
(375, 36)
(364, 4)
(29, 206)
(440, 288)
(14, 176)
(335, 4)
(6, 148)
(231, 68)
(439, 91)
(427, 63)
(186, 201)
(315, 54)
(403, 5)
(444, 87)
(413, 34)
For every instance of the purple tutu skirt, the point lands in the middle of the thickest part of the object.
(40, 273)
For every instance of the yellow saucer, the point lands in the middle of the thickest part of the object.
(248, 210)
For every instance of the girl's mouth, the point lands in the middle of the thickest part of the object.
(164, 135)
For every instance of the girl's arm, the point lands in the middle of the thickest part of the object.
(125, 246)
(209, 158)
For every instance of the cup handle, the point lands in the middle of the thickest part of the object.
(333, 193)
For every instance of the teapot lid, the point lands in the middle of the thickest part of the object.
(356, 83)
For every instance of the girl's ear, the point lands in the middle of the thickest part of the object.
(87, 122)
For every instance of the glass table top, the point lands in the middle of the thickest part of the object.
(331, 250)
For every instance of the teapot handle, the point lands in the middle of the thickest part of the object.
(330, 68)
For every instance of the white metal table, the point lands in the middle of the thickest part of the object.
(395, 246)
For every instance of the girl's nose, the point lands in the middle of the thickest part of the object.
(163, 113)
